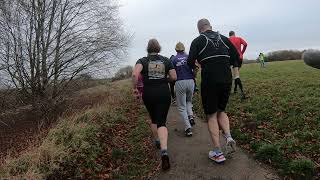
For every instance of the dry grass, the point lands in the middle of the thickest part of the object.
(90, 144)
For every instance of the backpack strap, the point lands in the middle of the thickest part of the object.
(207, 41)
(223, 41)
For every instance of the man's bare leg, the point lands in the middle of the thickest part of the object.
(163, 136)
(213, 127)
(154, 130)
(216, 154)
(223, 121)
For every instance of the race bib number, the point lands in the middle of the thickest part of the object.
(156, 70)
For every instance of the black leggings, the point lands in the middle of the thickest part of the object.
(157, 101)
(173, 95)
(237, 82)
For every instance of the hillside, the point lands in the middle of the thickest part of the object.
(109, 139)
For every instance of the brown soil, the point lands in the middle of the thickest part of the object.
(17, 131)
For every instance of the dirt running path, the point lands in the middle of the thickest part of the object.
(189, 157)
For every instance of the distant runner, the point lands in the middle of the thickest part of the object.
(241, 46)
(215, 53)
(262, 60)
(184, 87)
(156, 94)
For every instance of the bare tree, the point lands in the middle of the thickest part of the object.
(44, 44)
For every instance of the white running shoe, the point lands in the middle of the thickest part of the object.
(230, 145)
(217, 157)
(188, 132)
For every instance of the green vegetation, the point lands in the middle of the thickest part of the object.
(269, 153)
(280, 121)
(109, 141)
(141, 162)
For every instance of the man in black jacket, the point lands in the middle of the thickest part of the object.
(215, 53)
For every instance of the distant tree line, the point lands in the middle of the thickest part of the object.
(123, 73)
(283, 55)
(280, 55)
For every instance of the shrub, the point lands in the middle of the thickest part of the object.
(269, 153)
(240, 136)
(301, 169)
(123, 73)
(66, 145)
(255, 145)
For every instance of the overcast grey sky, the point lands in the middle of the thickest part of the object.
(266, 25)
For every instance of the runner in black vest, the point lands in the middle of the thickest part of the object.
(156, 94)
(215, 53)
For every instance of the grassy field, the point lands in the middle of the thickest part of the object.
(108, 141)
(280, 121)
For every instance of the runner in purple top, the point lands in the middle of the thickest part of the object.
(184, 87)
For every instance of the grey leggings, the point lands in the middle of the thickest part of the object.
(184, 94)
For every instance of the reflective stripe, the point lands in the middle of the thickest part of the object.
(212, 42)
(214, 57)
(204, 48)
(223, 42)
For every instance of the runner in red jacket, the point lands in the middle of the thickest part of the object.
(241, 46)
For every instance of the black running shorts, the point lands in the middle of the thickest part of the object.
(238, 64)
(157, 100)
(215, 97)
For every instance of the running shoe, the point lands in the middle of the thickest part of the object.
(157, 143)
(230, 145)
(196, 89)
(188, 132)
(243, 96)
(173, 102)
(191, 120)
(165, 162)
(217, 157)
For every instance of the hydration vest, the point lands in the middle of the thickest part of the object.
(215, 47)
